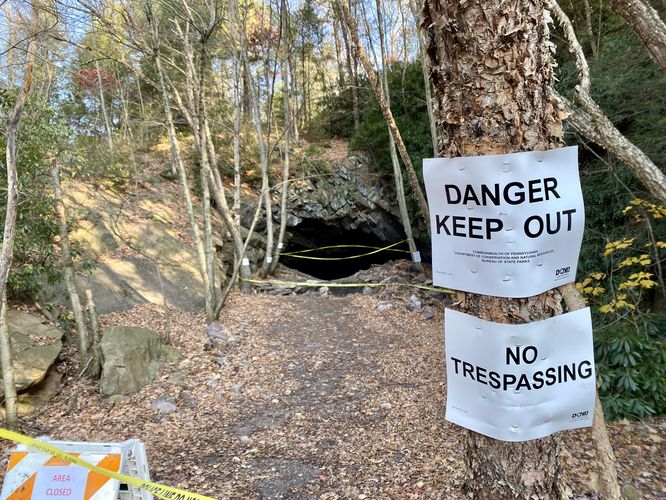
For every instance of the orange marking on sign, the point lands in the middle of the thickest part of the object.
(95, 480)
(60, 461)
(15, 457)
(24, 492)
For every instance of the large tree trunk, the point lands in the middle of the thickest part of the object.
(491, 69)
(647, 24)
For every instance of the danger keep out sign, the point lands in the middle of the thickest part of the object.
(520, 382)
(505, 225)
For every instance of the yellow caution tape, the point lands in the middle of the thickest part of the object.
(319, 284)
(297, 255)
(159, 490)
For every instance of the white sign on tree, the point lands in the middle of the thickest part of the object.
(520, 382)
(505, 225)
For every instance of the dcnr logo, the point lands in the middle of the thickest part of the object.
(580, 414)
(562, 271)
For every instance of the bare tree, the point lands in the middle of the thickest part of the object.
(386, 110)
(352, 75)
(176, 155)
(68, 267)
(647, 24)
(9, 232)
(428, 86)
(284, 26)
(594, 46)
(397, 171)
(591, 122)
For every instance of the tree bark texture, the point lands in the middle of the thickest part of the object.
(95, 368)
(7, 360)
(590, 122)
(647, 24)
(491, 68)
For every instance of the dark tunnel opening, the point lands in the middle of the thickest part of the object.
(314, 234)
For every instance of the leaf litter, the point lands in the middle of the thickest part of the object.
(310, 395)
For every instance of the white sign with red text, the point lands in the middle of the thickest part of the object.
(505, 225)
(56, 482)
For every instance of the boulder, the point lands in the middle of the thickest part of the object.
(132, 358)
(35, 345)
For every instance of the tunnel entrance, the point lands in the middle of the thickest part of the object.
(314, 234)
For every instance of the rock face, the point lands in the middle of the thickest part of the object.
(140, 254)
(35, 345)
(351, 197)
(132, 358)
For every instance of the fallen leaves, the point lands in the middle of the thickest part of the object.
(312, 396)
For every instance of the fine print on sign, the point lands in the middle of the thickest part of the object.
(520, 382)
(60, 482)
(505, 225)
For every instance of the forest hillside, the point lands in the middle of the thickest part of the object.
(216, 238)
